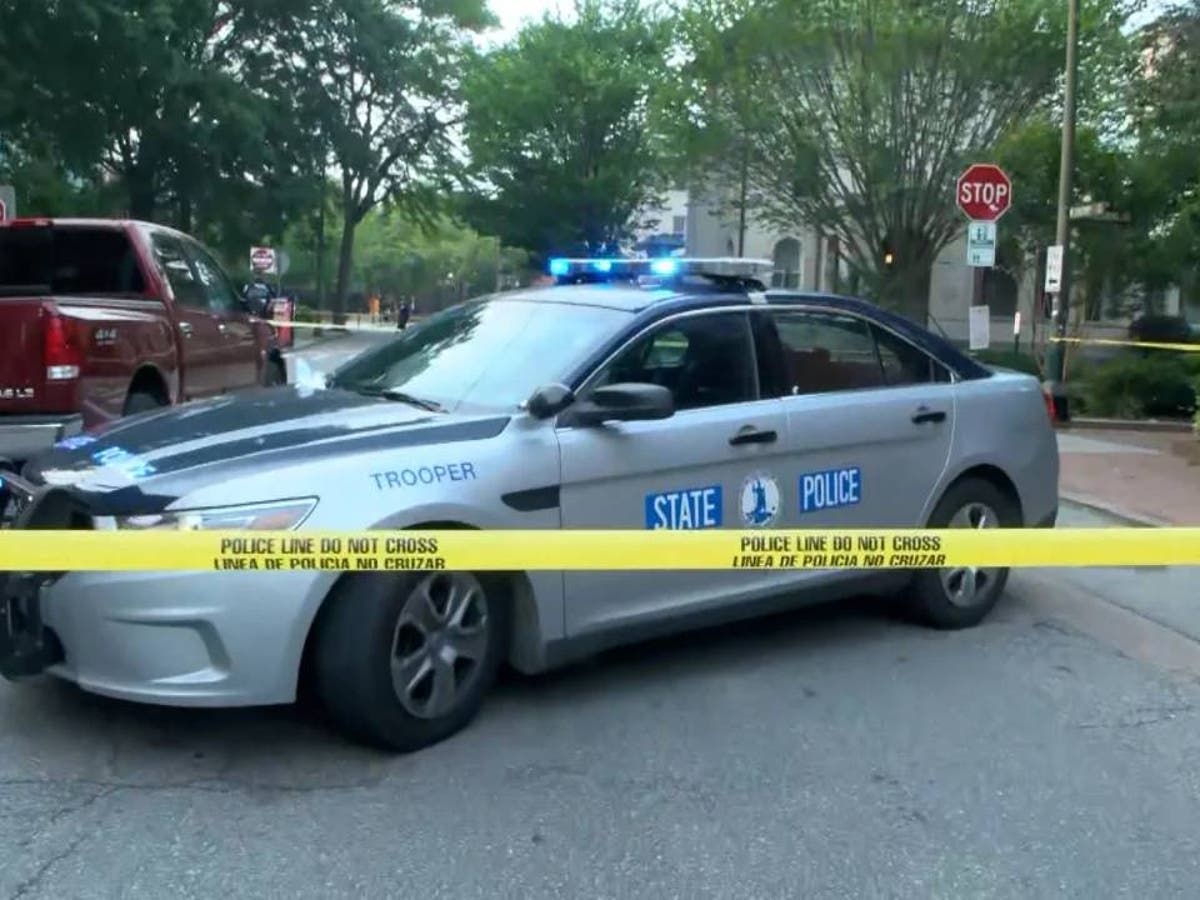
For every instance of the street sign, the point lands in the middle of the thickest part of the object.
(1054, 268)
(8, 202)
(980, 326)
(984, 192)
(981, 244)
(262, 260)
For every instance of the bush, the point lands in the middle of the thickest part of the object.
(1007, 359)
(1135, 387)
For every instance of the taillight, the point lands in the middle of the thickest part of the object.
(59, 351)
(1050, 410)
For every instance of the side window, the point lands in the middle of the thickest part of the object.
(221, 296)
(905, 364)
(705, 360)
(187, 289)
(826, 351)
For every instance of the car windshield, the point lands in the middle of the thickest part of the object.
(488, 354)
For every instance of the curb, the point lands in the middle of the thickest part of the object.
(1108, 509)
(1157, 425)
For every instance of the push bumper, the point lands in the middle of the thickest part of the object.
(23, 437)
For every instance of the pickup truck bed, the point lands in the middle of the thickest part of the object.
(101, 319)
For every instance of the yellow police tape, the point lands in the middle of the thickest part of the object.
(397, 551)
(1111, 342)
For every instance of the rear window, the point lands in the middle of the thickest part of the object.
(63, 260)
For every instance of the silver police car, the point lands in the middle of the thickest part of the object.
(659, 394)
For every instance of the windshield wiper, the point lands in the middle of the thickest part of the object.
(401, 397)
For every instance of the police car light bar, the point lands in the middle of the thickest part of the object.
(663, 268)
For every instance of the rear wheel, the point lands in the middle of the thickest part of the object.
(961, 596)
(405, 661)
(142, 401)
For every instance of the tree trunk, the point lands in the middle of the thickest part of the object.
(345, 266)
(904, 289)
(139, 183)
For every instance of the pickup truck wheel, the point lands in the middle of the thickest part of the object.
(960, 597)
(274, 373)
(142, 401)
(405, 661)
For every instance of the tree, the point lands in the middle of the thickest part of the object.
(378, 80)
(1168, 127)
(875, 106)
(559, 130)
(157, 99)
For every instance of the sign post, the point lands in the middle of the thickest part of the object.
(8, 202)
(983, 194)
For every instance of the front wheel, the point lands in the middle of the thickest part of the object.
(961, 596)
(405, 661)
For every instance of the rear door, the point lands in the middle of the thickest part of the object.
(717, 463)
(202, 342)
(870, 419)
(240, 355)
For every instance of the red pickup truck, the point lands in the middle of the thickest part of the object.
(101, 319)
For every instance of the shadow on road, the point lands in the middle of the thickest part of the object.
(83, 737)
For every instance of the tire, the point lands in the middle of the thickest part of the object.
(142, 401)
(962, 597)
(274, 374)
(372, 620)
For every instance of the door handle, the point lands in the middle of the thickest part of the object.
(924, 415)
(753, 436)
(186, 329)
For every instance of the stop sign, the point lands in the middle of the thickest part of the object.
(262, 259)
(984, 192)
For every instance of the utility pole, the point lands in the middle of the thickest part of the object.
(1055, 354)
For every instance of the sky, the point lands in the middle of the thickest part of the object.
(511, 14)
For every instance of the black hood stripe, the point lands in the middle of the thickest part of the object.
(160, 491)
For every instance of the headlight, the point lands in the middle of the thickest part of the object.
(284, 515)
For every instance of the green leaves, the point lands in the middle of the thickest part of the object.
(559, 129)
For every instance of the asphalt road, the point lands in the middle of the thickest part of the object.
(833, 752)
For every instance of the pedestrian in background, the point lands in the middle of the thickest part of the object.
(405, 312)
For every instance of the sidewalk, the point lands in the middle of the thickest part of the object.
(1153, 477)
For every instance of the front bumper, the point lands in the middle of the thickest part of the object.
(173, 638)
(23, 437)
(181, 638)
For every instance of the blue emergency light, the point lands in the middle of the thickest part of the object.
(650, 272)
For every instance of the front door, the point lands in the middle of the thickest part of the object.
(241, 361)
(717, 463)
(202, 343)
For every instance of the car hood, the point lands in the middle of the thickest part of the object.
(145, 462)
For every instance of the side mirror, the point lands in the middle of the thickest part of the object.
(620, 403)
(549, 401)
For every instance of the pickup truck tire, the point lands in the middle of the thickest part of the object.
(961, 597)
(274, 373)
(405, 661)
(142, 401)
